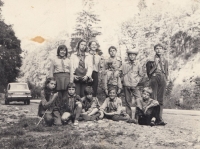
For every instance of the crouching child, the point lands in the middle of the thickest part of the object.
(90, 105)
(112, 107)
(147, 113)
(71, 107)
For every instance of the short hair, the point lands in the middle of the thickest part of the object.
(112, 88)
(148, 90)
(78, 44)
(88, 90)
(89, 44)
(71, 85)
(158, 45)
(112, 47)
(62, 47)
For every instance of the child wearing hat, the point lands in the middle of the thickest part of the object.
(90, 105)
(148, 113)
(131, 73)
(72, 105)
(112, 78)
(112, 107)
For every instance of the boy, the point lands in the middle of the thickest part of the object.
(90, 105)
(158, 77)
(112, 107)
(132, 74)
(112, 78)
(149, 113)
(71, 107)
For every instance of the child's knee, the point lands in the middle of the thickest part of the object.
(65, 116)
(48, 119)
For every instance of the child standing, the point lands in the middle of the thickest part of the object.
(132, 74)
(112, 107)
(49, 103)
(148, 114)
(112, 78)
(90, 105)
(72, 106)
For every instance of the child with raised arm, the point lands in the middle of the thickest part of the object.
(148, 113)
(90, 105)
(112, 107)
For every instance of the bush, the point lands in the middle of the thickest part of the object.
(187, 56)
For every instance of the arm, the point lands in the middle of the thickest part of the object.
(102, 108)
(51, 69)
(71, 69)
(119, 84)
(89, 65)
(46, 104)
(106, 83)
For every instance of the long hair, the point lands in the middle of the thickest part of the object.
(47, 91)
(62, 47)
(78, 45)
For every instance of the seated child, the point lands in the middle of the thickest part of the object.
(48, 104)
(72, 106)
(90, 105)
(112, 78)
(112, 107)
(147, 113)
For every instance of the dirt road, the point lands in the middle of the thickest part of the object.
(182, 131)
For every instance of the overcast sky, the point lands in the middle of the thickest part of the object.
(47, 18)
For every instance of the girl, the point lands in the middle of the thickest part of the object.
(60, 70)
(112, 107)
(81, 67)
(93, 47)
(49, 103)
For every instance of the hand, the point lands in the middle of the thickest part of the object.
(145, 111)
(106, 91)
(85, 78)
(101, 115)
(55, 95)
(76, 77)
(119, 91)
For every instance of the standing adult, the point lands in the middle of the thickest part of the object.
(81, 67)
(159, 76)
(60, 70)
(93, 47)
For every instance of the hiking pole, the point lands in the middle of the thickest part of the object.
(42, 117)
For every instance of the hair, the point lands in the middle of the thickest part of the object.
(71, 85)
(111, 47)
(47, 90)
(62, 47)
(112, 88)
(89, 44)
(78, 45)
(88, 90)
(148, 90)
(158, 45)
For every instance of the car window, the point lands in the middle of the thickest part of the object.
(19, 87)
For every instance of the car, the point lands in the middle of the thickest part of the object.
(17, 92)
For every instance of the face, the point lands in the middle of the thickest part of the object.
(93, 46)
(71, 91)
(132, 56)
(89, 96)
(62, 52)
(159, 50)
(112, 94)
(145, 95)
(51, 85)
(82, 46)
(112, 52)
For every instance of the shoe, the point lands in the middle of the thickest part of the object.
(75, 123)
(132, 121)
(152, 123)
(161, 123)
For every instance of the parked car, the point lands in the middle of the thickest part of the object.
(17, 92)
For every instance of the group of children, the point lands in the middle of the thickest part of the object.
(57, 110)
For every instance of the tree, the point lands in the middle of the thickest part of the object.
(10, 50)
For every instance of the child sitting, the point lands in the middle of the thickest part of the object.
(90, 105)
(148, 114)
(49, 104)
(112, 107)
(71, 106)
(112, 78)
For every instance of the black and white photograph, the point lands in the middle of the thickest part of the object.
(99, 74)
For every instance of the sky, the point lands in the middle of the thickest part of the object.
(48, 18)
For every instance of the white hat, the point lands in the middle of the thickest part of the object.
(132, 51)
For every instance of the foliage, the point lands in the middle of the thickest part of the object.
(35, 90)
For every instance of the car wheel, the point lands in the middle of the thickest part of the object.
(28, 102)
(25, 102)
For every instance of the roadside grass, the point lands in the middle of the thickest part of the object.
(26, 134)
